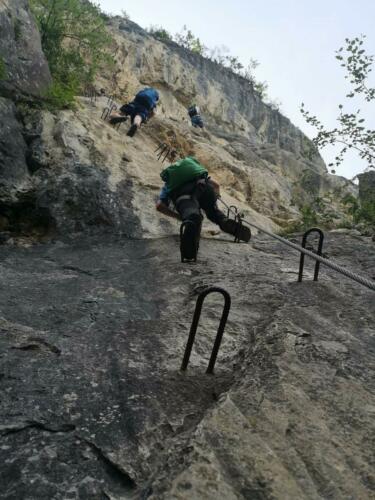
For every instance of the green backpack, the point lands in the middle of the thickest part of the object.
(181, 172)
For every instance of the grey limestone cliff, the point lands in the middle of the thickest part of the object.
(27, 72)
(260, 158)
(95, 306)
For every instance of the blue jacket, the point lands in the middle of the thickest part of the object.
(148, 98)
(197, 121)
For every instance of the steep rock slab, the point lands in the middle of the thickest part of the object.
(20, 48)
(298, 421)
(87, 174)
(19, 212)
(229, 101)
(79, 199)
(94, 404)
(13, 167)
(27, 76)
(91, 390)
(259, 142)
(76, 154)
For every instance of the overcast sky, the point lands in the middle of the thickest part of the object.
(293, 40)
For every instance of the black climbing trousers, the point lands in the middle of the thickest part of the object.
(196, 195)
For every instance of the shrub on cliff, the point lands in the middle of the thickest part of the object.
(74, 40)
(160, 33)
(189, 41)
(360, 212)
(219, 55)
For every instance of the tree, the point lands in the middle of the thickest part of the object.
(233, 63)
(189, 41)
(218, 54)
(351, 132)
(248, 72)
(74, 40)
(160, 33)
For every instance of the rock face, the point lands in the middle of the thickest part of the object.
(258, 155)
(367, 187)
(93, 403)
(13, 167)
(93, 326)
(260, 159)
(229, 103)
(26, 67)
(27, 76)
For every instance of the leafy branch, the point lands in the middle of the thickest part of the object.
(358, 65)
(351, 132)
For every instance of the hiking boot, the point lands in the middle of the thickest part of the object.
(132, 130)
(189, 240)
(117, 119)
(235, 228)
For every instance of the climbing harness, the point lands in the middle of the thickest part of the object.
(329, 263)
(194, 326)
(238, 220)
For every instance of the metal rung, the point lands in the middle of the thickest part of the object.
(319, 252)
(166, 150)
(367, 282)
(194, 326)
(91, 93)
(107, 111)
(232, 208)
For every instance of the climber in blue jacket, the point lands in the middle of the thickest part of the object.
(140, 110)
(195, 117)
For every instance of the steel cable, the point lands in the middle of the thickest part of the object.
(369, 283)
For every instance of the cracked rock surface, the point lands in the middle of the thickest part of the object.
(93, 405)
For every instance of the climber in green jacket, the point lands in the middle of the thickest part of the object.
(190, 189)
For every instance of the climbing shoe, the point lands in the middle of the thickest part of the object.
(132, 130)
(240, 232)
(117, 119)
(189, 241)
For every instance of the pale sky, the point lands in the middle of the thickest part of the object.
(293, 40)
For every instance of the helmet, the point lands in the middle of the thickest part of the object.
(193, 110)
